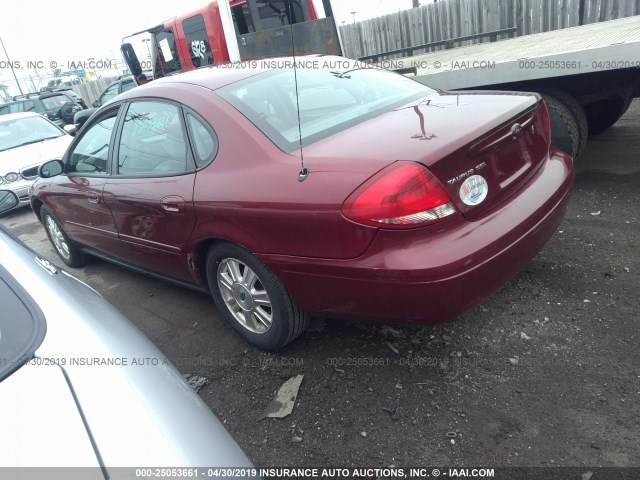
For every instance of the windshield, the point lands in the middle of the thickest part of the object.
(22, 131)
(330, 100)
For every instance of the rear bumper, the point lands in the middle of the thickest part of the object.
(433, 274)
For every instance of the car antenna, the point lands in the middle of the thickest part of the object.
(304, 171)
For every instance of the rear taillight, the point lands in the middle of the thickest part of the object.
(405, 195)
(546, 121)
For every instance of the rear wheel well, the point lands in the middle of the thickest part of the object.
(199, 262)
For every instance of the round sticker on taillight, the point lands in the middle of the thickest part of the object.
(474, 190)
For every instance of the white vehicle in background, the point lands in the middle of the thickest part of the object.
(27, 140)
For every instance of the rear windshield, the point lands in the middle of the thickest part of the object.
(51, 103)
(330, 100)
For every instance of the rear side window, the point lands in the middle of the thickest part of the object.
(205, 141)
(152, 141)
(197, 41)
(29, 106)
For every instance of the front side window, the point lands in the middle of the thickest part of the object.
(152, 141)
(165, 54)
(197, 41)
(91, 154)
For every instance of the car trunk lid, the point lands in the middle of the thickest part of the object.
(499, 136)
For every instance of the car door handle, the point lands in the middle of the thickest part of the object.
(173, 204)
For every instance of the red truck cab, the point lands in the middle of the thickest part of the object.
(208, 36)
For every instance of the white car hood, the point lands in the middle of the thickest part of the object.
(34, 154)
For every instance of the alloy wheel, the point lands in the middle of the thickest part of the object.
(57, 237)
(245, 295)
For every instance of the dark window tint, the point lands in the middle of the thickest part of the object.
(242, 20)
(152, 141)
(277, 13)
(29, 106)
(273, 14)
(90, 154)
(197, 41)
(205, 141)
(165, 54)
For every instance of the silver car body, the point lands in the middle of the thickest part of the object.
(25, 160)
(54, 413)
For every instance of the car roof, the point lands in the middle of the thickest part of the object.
(16, 116)
(217, 76)
(52, 94)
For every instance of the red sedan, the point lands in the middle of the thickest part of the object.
(331, 189)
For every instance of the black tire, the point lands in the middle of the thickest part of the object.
(267, 327)
(604, 114)
(565, 133)
(66, 249)
(578, 113)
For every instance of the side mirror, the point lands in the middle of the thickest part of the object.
(50, 169)
(8, 200)
(96, 103)
(70, 129)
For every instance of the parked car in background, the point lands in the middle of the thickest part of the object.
(27, 104)
(61, 106)
(121, 85)
(71, 95)
(81, 386)
(408, 205)
(26, 141)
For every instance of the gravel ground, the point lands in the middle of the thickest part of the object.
(543, 373)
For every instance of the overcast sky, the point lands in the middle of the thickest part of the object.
(76, 30)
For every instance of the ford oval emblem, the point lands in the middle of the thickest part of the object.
(516, 129)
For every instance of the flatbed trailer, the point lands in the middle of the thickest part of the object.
(588, 74)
